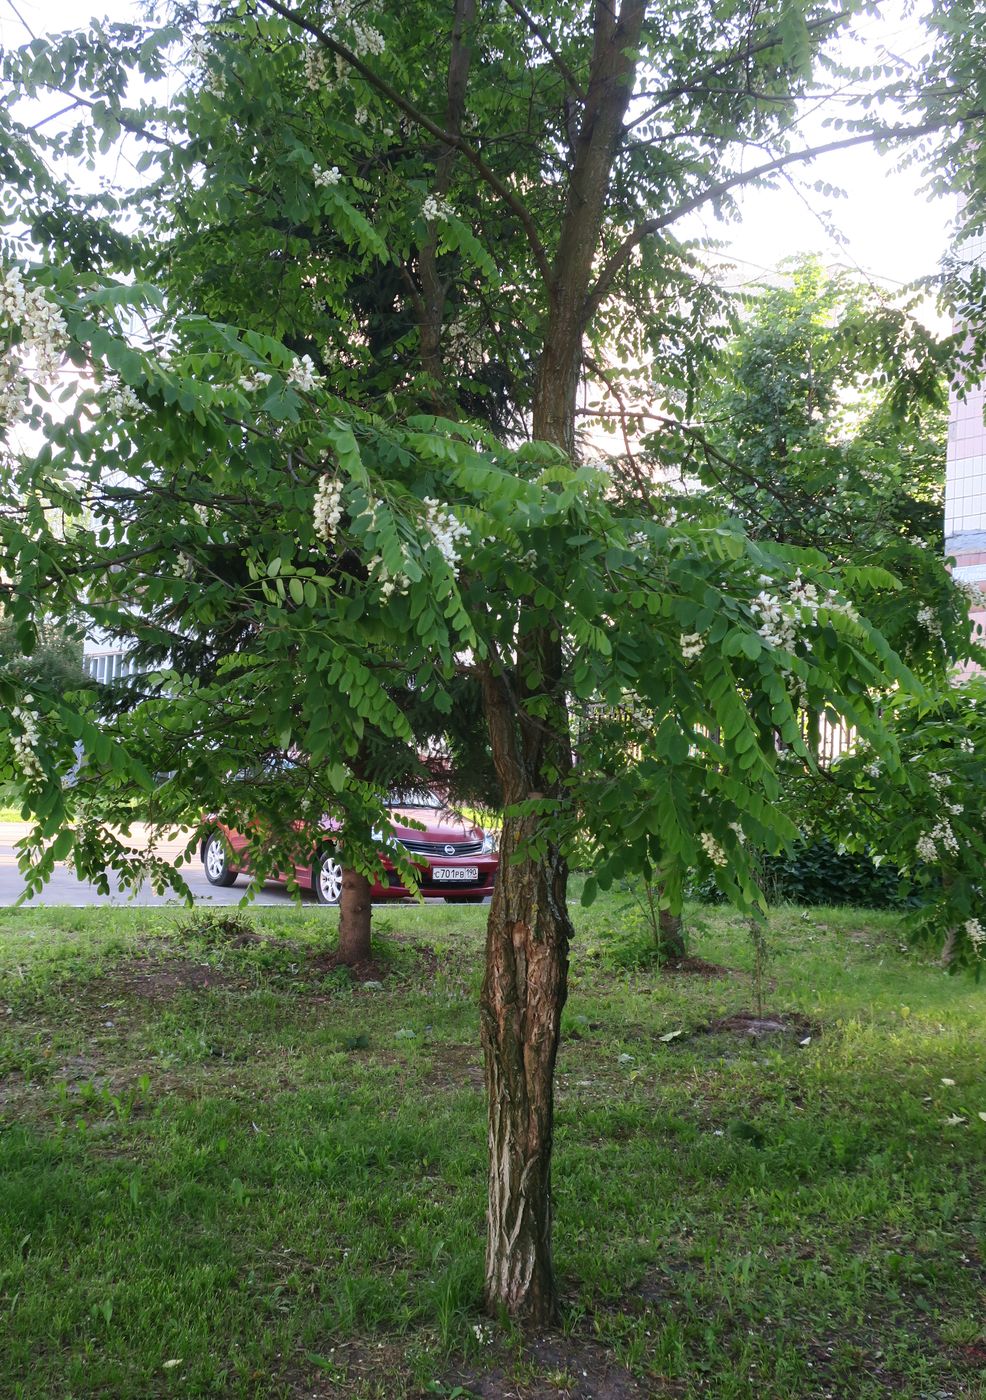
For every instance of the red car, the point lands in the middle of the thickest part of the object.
(456, 859)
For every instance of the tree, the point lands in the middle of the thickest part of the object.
(926, 818)
(446, 222)
(823, 424)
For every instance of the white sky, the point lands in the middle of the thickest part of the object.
(893, 233)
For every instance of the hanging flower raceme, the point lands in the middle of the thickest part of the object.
(40, 331)
(784, 616)
(121, 402)
(327, 509)
(435, 209)
(25, 741)
(302, 374)
(445, 530)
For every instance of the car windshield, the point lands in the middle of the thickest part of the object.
(414, 797)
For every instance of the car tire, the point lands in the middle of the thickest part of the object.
(215, 859)
(327, 880)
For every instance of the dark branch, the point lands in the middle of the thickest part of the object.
(419, 118)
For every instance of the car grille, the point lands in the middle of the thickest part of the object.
(440, 848)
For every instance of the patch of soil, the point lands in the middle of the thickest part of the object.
(695, 967)
(570, 1368)
(455, 1067)
(367, 971)
(142, 977)
(770, 1023)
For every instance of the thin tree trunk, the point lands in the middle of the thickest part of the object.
(671, 935)
(355, 910)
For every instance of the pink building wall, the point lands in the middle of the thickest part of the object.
(965, 477)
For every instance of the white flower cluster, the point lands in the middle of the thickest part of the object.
(941, 836)
(315, 63)
(435, 209)
(712, 849)
(782, 616)
(445, 530)
(42, 332)
(692, 645)
(977, 935)
(302, 374)
(925, 848)
(13, 390)
(739, 832)
(940, 784)
(930, 621)
(399, 583)
(778, 622)
(967, 746)
(327, 509)
(25, 743)
(324, 178)
(365, 38)
(972, 591)
(251, 382)
(122, 402)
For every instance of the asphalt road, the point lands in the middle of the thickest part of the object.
(65, 888)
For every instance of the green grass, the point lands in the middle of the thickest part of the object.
(221, 1153)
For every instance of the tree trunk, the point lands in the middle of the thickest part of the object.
(355, 912)
(529, 930)
(671, 935)
(523, 994)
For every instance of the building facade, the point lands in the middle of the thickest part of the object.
(965, 477)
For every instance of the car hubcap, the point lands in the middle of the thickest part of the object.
(330, 881)
(215, 859)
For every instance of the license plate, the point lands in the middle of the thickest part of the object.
(455, 872)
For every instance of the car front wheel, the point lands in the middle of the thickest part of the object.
(327, 880)
(216, 862)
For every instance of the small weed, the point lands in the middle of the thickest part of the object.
(216, 928)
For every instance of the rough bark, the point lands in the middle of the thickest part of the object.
(355, 911)
(523, 994)
(671, 935)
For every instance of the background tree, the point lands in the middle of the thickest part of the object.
(823, 424)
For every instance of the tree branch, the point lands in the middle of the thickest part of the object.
(546, 44)
(419, 118)
(621, 256)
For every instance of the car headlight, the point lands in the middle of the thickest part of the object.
(488, 846)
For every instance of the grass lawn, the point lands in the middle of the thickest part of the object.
(226, 1169)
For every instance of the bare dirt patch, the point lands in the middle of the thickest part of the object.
(321, 964)
(455, 1067)
(149, 980)
(789, 1023)
(561, 1367)
(695, 967)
